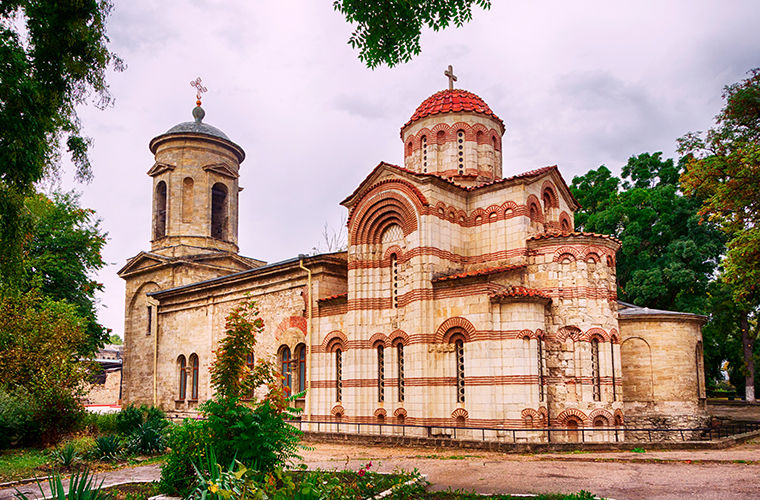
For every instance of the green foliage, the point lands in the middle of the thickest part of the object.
(39, 342)
(129, 418)
(65, 455)
(115, 339)
(17, 418)
(148, 438)
(107, 448)
(81, 487)
(22, 463)
(53, 57)
(668, 256)
(388, 31)
(188, 442)
(101, 423)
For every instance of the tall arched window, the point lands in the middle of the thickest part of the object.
(194, 387)
(596, 379)
(287, 377)
(219, 211)
(459, 353)
(612, 367)
(460, 151)
(400, 367)
(300, 355)
(160, 229)
(540, 361)
(187, 199)
(380, 374)
(440, 145)
(338, 375)
(424, 153)
(394, 281)
(182, 383)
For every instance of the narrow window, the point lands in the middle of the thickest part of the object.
(380, 374)
(182, 377)
(150, 319)
(219, 211)
(596, 380)
(400, 353)
(460, 151)
(394, 281)
(160, 229)
(540, 361)
(440, 145)
(287, 378)
(424, 153)
(338, 375)
(194, 387)
(698, 355)
(301, 356)
(459, 352)
(187, 199)
(612, 364)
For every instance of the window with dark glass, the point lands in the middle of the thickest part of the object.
(459, 353)
(219, 211)
(195, 365)
(301, 369)
(596, 379)
(287, 377)
(394, 280)
(380, 374)
(182, 377)
(400, 361)
(160, 229)
(338, 375)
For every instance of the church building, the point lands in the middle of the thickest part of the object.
(465, 297)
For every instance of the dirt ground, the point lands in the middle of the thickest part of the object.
(709, 474)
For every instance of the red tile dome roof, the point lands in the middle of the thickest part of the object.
(452, 101)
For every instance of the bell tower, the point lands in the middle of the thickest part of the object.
(195, 189)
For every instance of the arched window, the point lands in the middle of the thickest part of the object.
(612, 367)
(194, 387)
(338, 375)
(187, 199)
(459, 354)
(424, 153)
(409, 148)
(301, 368)
(394, 281)
(219, 211)
(380, 373)
(460, 151)
(540, 361)
(182, 384)
(596, 379)
(160, 229)
(601, 422)
(564, 225)
(287, 376)
(440, 145)
(400, 366)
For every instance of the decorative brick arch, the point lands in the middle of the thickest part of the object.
(496, 140)
(614, 336)
(544, 415)
(395, 249)
(593, 333)
(460, 413)
(413, 193)
(380, 412)
(338, 411)
(380, 212)
(548, 188)
(508, 205)
(437, 129)
(534, 416)
(592, 255)
(536, 214)
(333, 340)
(481, 133)
(619, 417)
(611, 261)
(601, 412)
(478, 212)
(563, 417)
(566, 251)
(564, 223)
(398, 337)
(378, 339)
(569, 331)
(454, 325)
(400, 412)
(298, 322)
(469, 135)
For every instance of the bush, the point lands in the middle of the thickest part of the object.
(83, 445)
(17, 424)
(148, 438)
(128, 419)
(107, 448)
(188, 442)
(65, 455)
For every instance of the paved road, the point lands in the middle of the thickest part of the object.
(704, 474)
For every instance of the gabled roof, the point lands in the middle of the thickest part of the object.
(632, 311)
(154, 260)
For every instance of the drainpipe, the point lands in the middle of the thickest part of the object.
(153, 303)
(308, 336)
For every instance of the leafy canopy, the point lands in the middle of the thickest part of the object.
(53, 57)
(667, 256)
(388, 31)
(723, 169)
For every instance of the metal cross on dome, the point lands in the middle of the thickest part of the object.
(452, 77)
(199, 88)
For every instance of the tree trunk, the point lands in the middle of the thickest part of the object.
(749, 362)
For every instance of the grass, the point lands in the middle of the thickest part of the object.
(23, 463)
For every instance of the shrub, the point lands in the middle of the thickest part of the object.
(81, 487)
(66, 455)
(128, 419)
(188, 442)
(17, 424)
(83, 445)
(148, 438)
(107, 448)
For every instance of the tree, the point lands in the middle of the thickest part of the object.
(667, 257)
(61, 251)
(53, 57)
(388, 31)
(723, 169)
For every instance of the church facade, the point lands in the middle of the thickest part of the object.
(465, 298)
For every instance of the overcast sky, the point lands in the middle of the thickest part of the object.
(578, 84)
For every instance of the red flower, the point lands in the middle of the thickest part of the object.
(362, 472)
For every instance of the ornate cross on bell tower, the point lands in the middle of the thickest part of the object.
(200, 89)
(452, 77)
